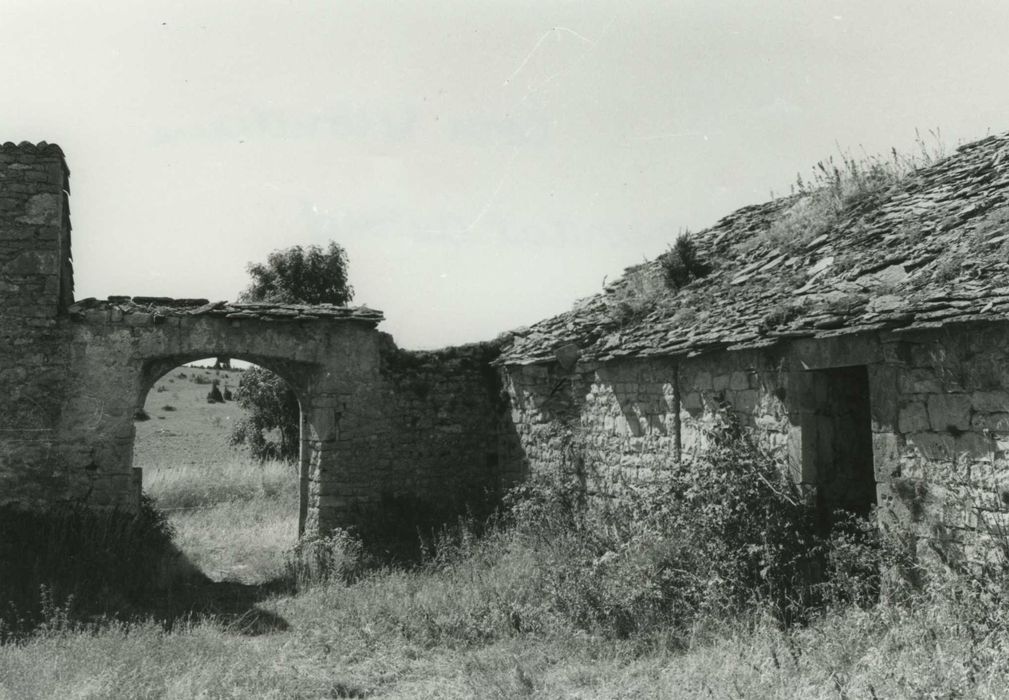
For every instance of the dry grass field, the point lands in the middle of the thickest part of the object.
(183, 428)
(507, 614)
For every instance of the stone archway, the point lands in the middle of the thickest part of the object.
(331, 362)
(301, 377)
(377, 419)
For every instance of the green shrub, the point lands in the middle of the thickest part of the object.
(338, 556)
(713, 536)
(681, 263)
(214, 395)
(272, 409)
(719, 537)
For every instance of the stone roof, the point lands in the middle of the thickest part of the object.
(929, 250)
(162, 307)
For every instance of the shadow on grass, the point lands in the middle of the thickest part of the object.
(231, 603)
(401, 530)
(73, 565)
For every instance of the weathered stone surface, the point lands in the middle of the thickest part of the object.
(913, 417)
(886, 449)
(997, 422)
(771, 341)
(378, 421)
(949, 412)
(990, 401)
(43, 208)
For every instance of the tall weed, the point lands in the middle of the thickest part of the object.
(837, 185)
(712, 536)
(96, 562)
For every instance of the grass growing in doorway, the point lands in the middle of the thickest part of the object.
(235, 519)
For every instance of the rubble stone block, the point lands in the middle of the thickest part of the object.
(919, 381)
(949, 411)
(738, 381)
(913, 417)
(990, 401)
(997, 422)
(885, 456)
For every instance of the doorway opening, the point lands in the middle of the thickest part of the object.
(837, 442)
(224, 477)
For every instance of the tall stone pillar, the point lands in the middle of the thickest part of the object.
(36, 286)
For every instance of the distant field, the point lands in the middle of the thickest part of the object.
(234, 517)
(182, 425)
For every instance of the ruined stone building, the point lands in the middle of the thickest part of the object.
(868, 348)
(376, 420)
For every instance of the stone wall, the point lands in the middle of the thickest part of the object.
(376, 420)
(948, 450)
(449, 435)
(630, 419)
(35, 285)
(855, 419)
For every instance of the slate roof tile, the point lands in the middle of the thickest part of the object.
(929, 250)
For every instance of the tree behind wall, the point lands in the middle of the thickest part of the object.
(296, 275)
(271, 428)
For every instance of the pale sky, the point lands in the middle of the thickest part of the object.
(484, 164)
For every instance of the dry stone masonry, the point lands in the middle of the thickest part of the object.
(872, 358)
(35, 286)
(376, 420)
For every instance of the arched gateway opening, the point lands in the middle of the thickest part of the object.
(330, 356)
(237, 505)
(299, 376)
(377, 421)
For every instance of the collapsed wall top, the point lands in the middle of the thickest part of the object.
(931, 249)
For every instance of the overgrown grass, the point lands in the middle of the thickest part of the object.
(709, 582)
(837, 185)
(235, 519)
(98, 562)
(174, 485)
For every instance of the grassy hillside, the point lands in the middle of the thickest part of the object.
(183, 428)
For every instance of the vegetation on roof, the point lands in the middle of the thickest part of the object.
(860, 244)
